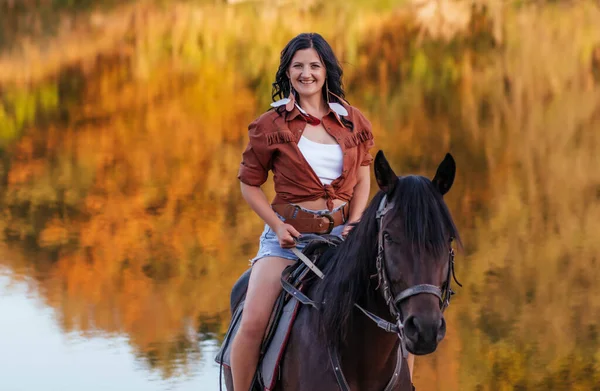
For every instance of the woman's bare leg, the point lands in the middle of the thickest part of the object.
(263, 288)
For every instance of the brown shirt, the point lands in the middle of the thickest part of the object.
(273, 146)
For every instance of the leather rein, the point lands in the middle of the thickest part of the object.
(443, 293)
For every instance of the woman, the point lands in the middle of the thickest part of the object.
(317, 147)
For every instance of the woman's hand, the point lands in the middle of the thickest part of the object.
(259, 203)
(348, 228)
(286, 234)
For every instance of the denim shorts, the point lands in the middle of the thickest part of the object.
(269, 244)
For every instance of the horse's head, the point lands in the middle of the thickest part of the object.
(415, 257)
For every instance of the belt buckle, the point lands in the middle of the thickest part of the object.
(331, 223)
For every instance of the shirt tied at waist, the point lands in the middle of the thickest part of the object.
(330, 195)
(327, 192)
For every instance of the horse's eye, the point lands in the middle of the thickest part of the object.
(387, 237)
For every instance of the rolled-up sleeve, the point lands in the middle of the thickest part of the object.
(367, 158)
(256, 158)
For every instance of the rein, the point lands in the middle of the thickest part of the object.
(443, 294)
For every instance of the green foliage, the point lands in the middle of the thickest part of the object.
(20, 108)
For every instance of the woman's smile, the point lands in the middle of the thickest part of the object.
(307, 72)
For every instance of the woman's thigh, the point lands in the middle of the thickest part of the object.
(263, 288)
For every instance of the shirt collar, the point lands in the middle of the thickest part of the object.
(295, 113)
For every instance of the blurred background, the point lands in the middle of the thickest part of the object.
(122, 225)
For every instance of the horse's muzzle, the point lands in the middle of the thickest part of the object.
(423, 333)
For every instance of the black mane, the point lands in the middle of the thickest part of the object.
(426, 224)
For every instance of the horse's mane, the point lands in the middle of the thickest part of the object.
(426, 225)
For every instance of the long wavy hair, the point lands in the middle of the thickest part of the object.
(333, 70)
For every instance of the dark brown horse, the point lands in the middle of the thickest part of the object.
(383, 294)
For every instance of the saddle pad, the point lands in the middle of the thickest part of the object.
(269, 366)
(224, 354)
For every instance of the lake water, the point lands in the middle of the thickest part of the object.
(37, 355)
(123, 227)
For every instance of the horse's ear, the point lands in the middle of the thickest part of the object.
(444, 177)
(385, 176)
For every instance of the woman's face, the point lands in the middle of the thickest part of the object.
(307, 73)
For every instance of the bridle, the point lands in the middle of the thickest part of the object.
(443, 293)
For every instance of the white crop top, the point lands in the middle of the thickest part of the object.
(326, 160)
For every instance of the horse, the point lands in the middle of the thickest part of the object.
(383, 294)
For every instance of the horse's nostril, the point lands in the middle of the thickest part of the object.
(442, 326)
(441, 330)
(411, 326)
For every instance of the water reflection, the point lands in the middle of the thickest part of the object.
(125, 229)
(36, 354)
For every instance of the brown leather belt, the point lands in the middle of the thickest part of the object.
(306, 222)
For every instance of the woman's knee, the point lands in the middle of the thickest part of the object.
(256, 316)
(252, 327)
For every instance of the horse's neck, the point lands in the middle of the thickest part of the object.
(371, 352)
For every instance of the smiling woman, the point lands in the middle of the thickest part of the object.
(307, 73)
(316, 193)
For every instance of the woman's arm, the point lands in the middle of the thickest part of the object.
(361, 194)
(360, 197)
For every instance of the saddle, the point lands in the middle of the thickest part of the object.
(282, 318)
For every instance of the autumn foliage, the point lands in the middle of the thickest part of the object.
(120, 163)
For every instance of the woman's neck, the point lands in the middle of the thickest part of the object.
(314, 105)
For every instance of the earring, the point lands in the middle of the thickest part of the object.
(289, 106)
(288, 102)
(335, 106)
